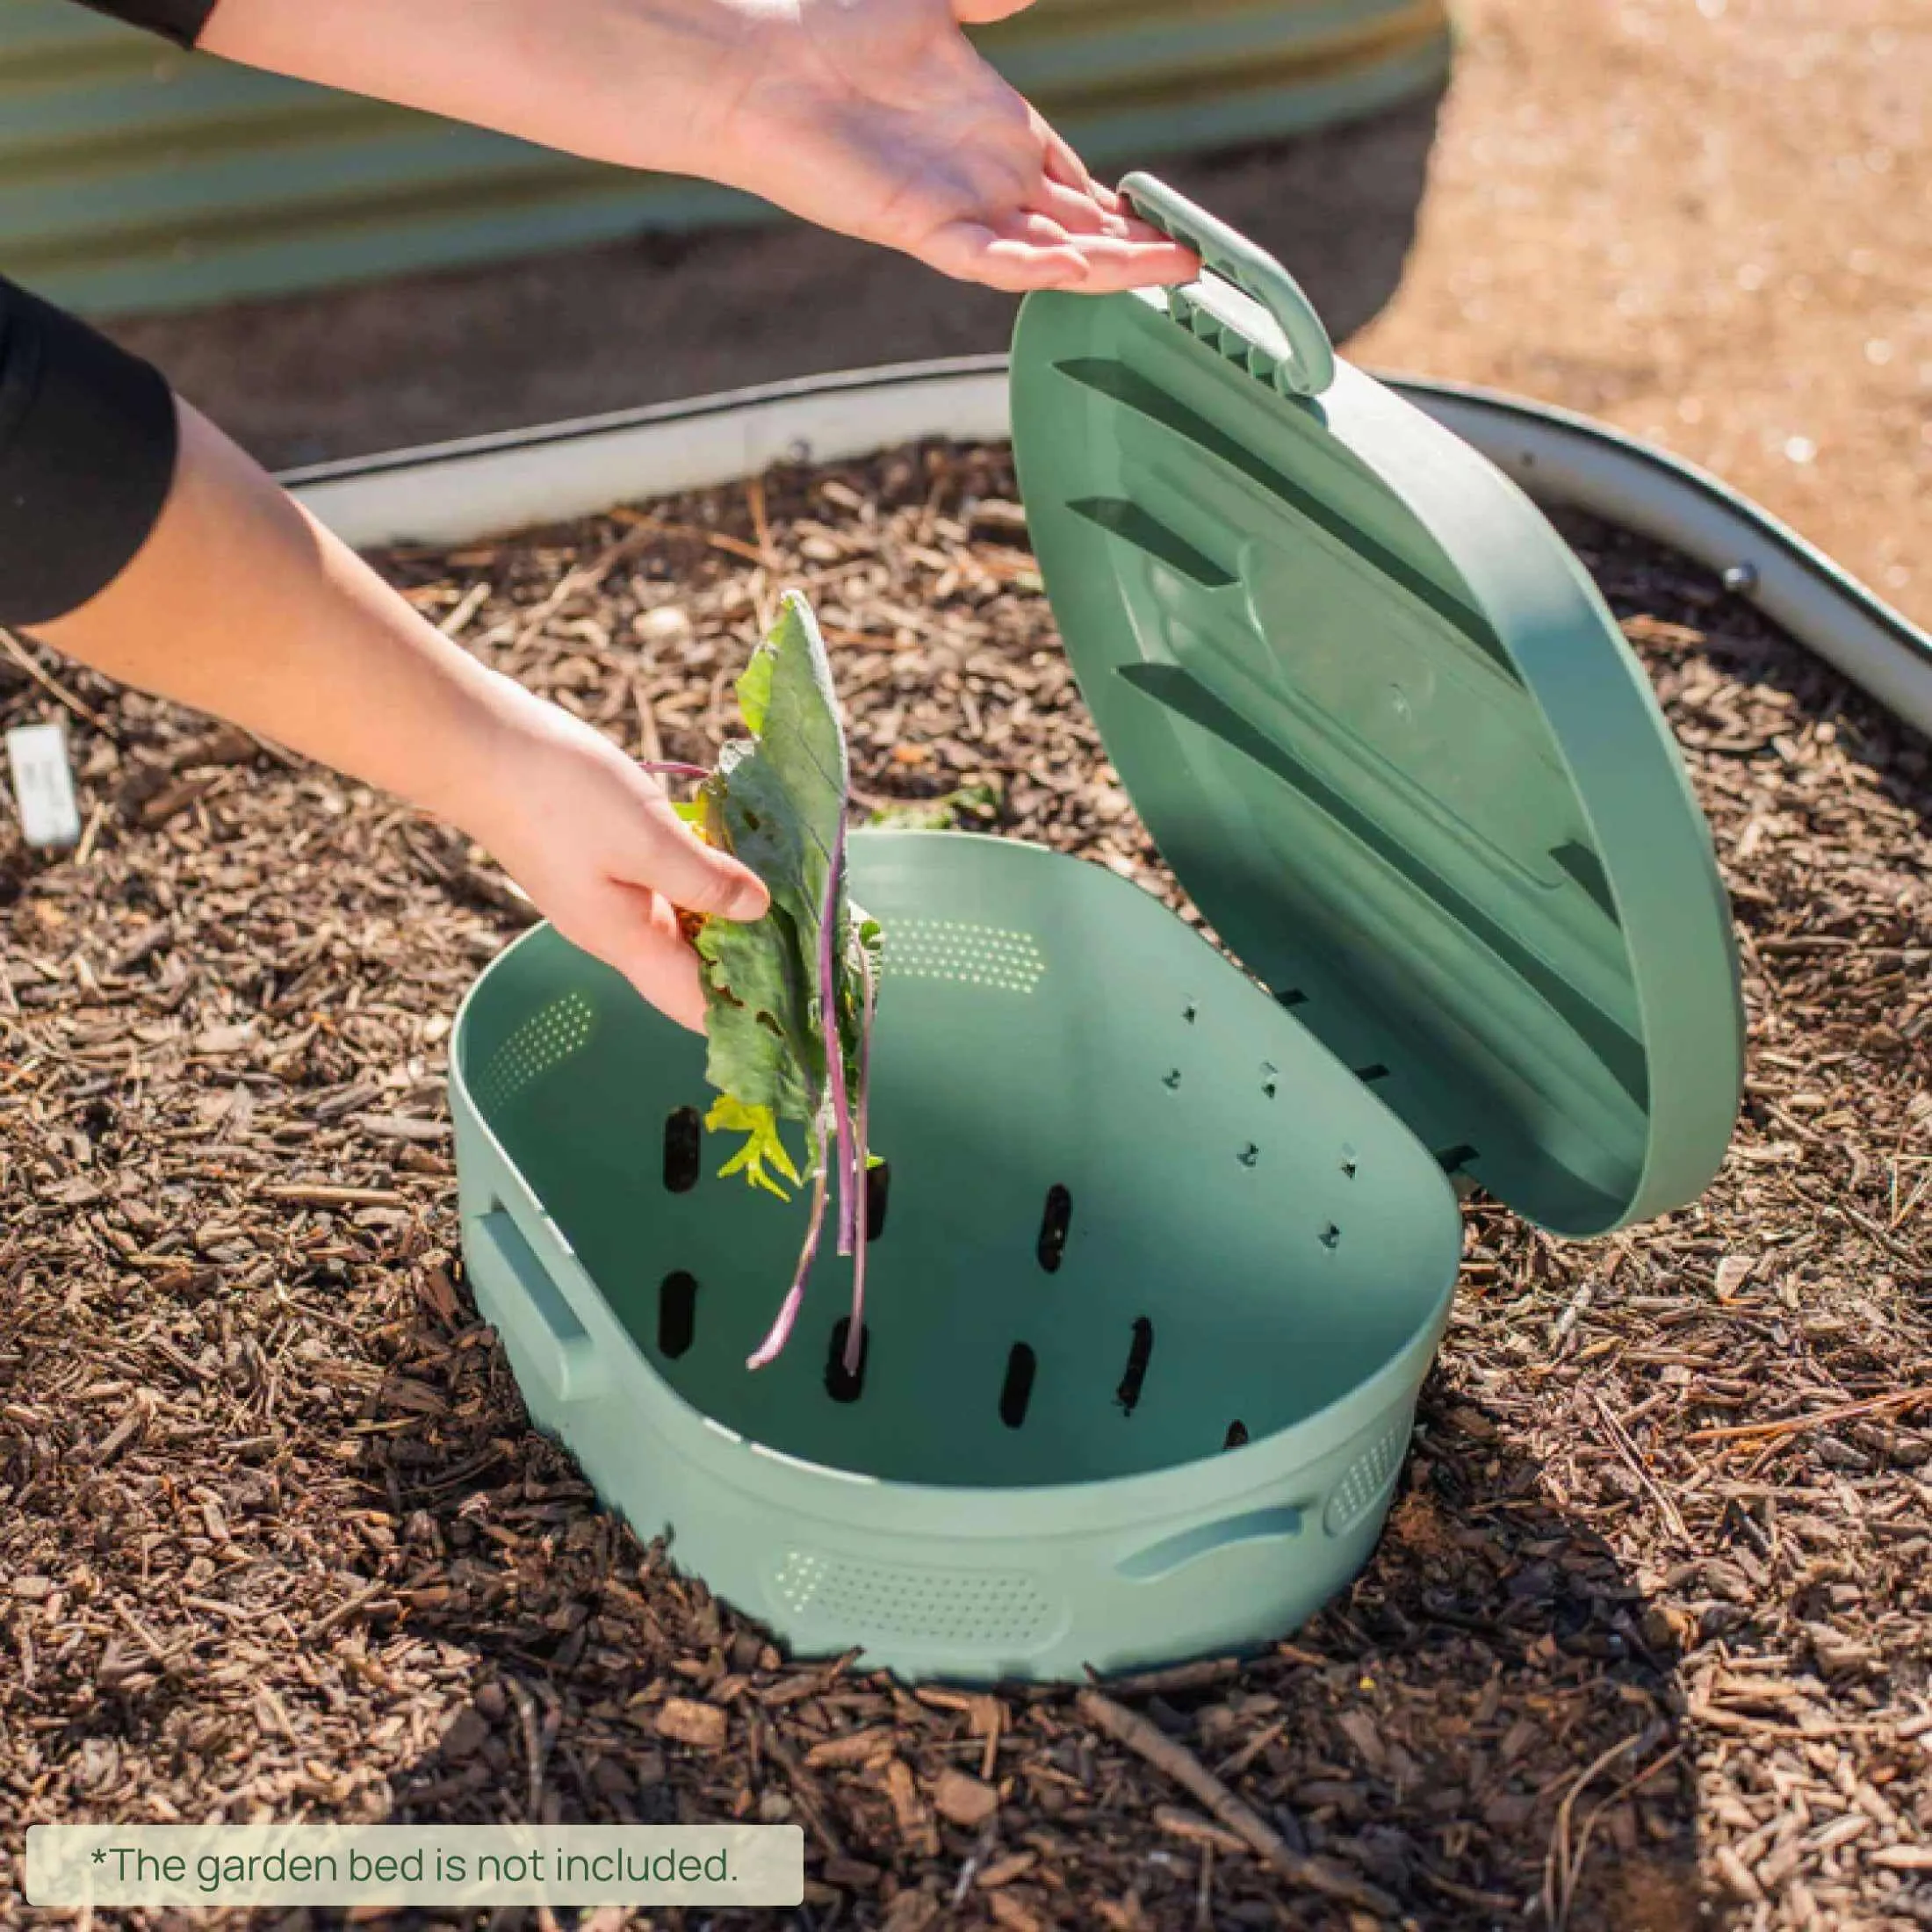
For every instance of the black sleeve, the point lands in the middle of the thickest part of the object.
(87, 438)
(180, 21)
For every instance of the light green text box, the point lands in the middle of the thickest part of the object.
(250, 1865)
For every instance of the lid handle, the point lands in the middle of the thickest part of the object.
(1252, 268)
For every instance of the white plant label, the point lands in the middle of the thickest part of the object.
(43, 784)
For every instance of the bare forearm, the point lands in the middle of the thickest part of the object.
(624, 81)
(874, 117)
(241, 605)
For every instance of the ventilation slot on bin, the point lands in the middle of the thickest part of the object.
(1366, 1482)
(989, 1609)
(551, 1035)
(973, 956)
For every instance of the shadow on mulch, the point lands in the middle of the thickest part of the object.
(1584, 1684)
(1490, 1685)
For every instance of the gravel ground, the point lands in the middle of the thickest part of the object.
(1706, 224)
(1645, 1645)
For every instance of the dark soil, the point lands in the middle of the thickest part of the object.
(1645, 1646)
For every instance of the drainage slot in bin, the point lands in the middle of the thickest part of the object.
(1053, 1224)
(840, 1386)
(878, 1186)
(1139, 1354)
(677, 1313)
(1017, 1391)
(683, 1150)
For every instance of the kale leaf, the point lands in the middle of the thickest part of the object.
(790, 998)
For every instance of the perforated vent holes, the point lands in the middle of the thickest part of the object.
(1368, 1479)
(548, 1038)
(974, 955)
(996, 1609)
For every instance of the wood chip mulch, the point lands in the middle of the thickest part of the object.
(1646, 1645)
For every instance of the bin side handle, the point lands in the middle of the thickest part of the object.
(533, 1309)
(1163, 1559)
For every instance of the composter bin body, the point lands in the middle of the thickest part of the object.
(1157, 1285)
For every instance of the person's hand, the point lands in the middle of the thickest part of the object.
(591, 837)
(879, 118)
(875, 118)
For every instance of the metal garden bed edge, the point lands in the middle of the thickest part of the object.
(454, 492)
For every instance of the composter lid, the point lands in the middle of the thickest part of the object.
(1387, 733)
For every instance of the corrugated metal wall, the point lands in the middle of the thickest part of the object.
(135, 178)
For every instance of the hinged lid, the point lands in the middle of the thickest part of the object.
(1382, 726)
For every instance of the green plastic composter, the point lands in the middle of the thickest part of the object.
(1168, 1245)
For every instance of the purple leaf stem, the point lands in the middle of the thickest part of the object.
(855, 1327)
(773, 1347)
(835, 1067)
